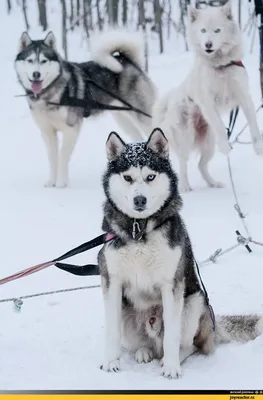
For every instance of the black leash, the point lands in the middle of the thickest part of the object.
(90, 104)
(232, 121)
(212, 314)
(82, 270)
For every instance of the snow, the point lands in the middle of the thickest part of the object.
(56, 342)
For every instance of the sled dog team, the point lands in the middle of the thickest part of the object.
(154, 301)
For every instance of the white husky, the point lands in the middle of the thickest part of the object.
(190, 114)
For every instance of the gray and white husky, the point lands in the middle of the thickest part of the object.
(217, 82)
(149, 264)
(116, 66)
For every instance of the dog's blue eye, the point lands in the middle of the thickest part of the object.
(30, 61)
(150, 178)
(203, 30)
(217, 30)
(127, 178)
(43, 61)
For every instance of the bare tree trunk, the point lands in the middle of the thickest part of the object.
(239, 14)
(124, 12)
(9, 6)
(142, 23)
(42, 14)
(78, 12)
(90, 15)
(71, 18)
(158, 22)
(98, 14)
(64, 28)
(109, 6)
(115, 12)
(182, 11)
(85, 17)
(24, 6)
(169, 19)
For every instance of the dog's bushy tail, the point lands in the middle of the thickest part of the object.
(239, 328)
(114, 42)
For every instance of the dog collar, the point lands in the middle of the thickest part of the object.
(138, 230)
(232, 63)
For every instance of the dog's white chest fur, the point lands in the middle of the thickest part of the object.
(55, 119)
(143, 267)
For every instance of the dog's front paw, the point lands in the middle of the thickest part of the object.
(61, 183)
(111, 366)
(50, 183)
(171, 371)
(258, 147)
(224, 147)
(184, 187)
(143, 355)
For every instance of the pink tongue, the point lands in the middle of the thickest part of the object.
(36, 87)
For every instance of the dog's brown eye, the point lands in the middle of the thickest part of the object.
(43, 61)
(150, 178)
(127, 178)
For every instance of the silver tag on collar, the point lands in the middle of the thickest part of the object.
(135, 230)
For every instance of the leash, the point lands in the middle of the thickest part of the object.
(90, 104)
(212, 314)
(235, 111)
(84, 270)
(87, 104)
(232, 121)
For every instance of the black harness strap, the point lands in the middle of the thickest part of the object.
(235, 111)
(212, 314)
(97, 241)
(82, 270)
(232, 121)
(89, 104)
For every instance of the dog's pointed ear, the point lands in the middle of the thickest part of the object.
(24, 41)
(227, 10)
(115, 146)
(192, 13)
(50, 40)
(158, 143)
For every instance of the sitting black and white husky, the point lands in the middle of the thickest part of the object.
(150, 263)
(116, 68)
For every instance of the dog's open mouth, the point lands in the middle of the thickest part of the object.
(36, 86)
(209, 51)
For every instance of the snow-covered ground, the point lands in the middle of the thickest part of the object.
(56, 342)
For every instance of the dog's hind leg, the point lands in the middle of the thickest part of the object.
(70, 137)
(207, 149)
(184, 185)
(51, 141)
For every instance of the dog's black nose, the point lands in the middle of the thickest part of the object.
(140, 202)
(36, 75)
(209, 45)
